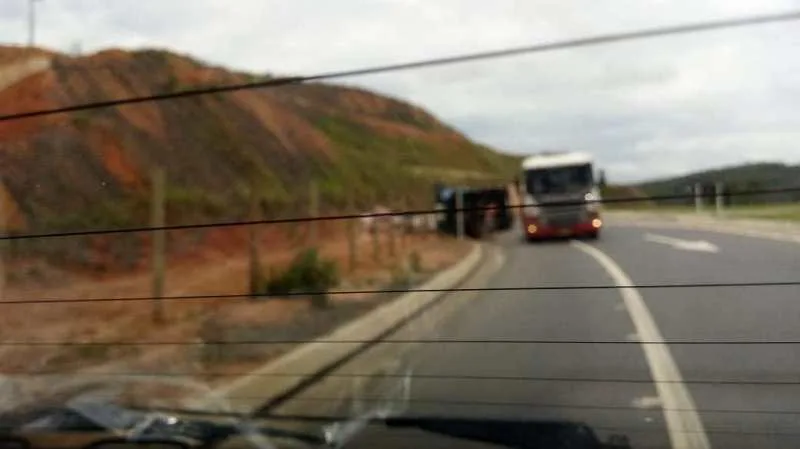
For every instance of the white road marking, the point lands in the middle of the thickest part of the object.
(685, 429)
(716, 227)
(647, 402)
(686, 245)
(633, 336)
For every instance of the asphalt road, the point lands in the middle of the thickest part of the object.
(576, 354)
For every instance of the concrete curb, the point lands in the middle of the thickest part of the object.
(280, 377)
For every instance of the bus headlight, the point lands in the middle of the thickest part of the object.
(592, 202)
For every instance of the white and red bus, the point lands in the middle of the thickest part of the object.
(560, 196)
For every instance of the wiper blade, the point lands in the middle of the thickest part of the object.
(516, 434)
(237, 423)
(513, 433)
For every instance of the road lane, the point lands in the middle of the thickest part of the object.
(735, 415)
(584, 381)
(551, 381)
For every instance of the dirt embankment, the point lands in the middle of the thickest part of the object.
(113, 334)
(90, 170)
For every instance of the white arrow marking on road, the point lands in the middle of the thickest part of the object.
(686, 245)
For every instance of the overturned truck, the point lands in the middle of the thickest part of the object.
(485, 210)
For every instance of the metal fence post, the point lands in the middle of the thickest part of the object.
(718, 191)
(698, 198)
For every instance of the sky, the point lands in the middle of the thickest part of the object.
(645, 109)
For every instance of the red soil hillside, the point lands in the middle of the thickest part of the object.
(92, 168)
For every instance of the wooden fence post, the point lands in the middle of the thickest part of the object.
(157, 219)
(313, 212)
(352, 236)
(392, 237)
(376, 243)
(3, 243)
(253, 244)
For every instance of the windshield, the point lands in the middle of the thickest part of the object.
(394, 223)
(559, 180)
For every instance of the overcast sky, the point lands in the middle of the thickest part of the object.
(644, 109)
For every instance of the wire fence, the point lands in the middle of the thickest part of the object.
(388, 214)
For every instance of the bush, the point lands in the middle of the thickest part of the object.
(415, 262)
(401, 279)
(308, 272)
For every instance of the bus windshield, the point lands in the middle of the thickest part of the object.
(559, 179)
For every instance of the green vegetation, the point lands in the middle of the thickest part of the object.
(737, 183)
(736, 180)
(415, 262)
(191, 203)
(109, 214)
(401, 279)
(308, 273)
(379, 165)
(789, 212)
(356, 146)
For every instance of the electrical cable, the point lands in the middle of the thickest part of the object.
(529, 49)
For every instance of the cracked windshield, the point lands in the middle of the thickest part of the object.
(399, 223)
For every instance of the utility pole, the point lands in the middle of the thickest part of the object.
(32, 22)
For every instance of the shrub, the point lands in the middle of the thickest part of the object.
(401, 279)
(308, 272)
(415, 262)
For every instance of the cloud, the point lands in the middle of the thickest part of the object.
(647, 108)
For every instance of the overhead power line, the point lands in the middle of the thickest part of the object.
(293, 220)
(535, 405)
(398, 291)
(444, 341)
(504, 53)
(416, 376)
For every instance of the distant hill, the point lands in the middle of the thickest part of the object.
(91, 169)
(736, 179)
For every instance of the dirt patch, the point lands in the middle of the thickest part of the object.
(206, 338)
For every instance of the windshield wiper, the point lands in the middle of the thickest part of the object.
(206, 429)
(516, 434)
(238, 422)
(513, 433)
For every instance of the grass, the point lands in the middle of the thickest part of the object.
(376, 165)
(789, 212)
(783, 212)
